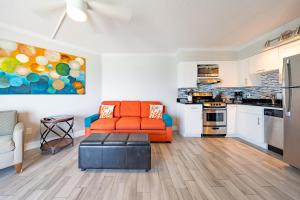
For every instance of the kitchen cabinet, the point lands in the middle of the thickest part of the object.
(231, 120)
(250, 124)
(265, 61)
(246, 78)
(186, 75)
(286, 51)
(190, 120)
(228, 72)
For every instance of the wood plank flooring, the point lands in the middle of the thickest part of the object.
(187, 169)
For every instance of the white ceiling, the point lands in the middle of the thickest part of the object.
(158, 25)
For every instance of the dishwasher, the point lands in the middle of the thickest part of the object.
(274, 129)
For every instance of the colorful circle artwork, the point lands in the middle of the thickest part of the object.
(38, 68)
(16, 81)
(4, 82)
(25, 69)
(41, 60)
(58, 84)
(22, 71)
(53, 74)
(22, 58)
(62, 69)
(27, 50)
(52, 56)
(33, 77)
(80, 60)
(8, 64)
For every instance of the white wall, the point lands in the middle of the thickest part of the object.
(33, 107)
(140, 77)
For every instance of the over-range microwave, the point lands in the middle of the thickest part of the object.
(205, 71)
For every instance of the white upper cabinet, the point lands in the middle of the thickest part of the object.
(228, 72)
(265, 61)
(186, 75)
(245, 77)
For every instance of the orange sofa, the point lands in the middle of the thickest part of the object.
(132, 117)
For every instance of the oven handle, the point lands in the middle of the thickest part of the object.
(215, 109)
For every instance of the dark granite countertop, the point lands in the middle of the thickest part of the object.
(257, 104)
(248, 102)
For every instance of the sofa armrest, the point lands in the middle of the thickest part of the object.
(89, 120)
(18, 138)
(168, 120)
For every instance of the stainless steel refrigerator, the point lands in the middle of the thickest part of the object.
(291, 105)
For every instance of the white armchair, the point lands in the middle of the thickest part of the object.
(11, 140)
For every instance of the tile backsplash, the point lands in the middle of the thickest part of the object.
(270, 85)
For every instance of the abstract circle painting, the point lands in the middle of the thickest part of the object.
(25, 69)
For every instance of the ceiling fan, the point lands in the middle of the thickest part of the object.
(82, 11)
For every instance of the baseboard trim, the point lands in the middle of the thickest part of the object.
(37, 144)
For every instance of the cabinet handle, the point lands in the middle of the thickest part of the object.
(258, 121)
(194, 108)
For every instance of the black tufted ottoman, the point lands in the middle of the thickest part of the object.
(115, 151)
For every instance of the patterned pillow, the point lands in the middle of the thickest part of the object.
(156, 111)
(107, 111)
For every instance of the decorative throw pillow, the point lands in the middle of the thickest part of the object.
(107, 111)
(156, 111)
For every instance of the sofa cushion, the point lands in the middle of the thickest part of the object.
(105, 124)
(145, 107)
(130, 109)
(128, 123)
(6, 144)
(152, 124)
(116, 109)
(8, 120)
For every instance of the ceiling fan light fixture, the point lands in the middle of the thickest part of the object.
(76, 10)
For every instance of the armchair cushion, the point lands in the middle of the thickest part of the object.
(8, 120)
(6, 144)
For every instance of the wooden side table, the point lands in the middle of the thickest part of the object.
(61, 126)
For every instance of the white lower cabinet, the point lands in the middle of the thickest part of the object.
(231, 120)
(250, 124)
(190, 120)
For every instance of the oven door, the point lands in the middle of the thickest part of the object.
(214, 117)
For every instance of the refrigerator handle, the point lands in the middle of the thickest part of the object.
(286, 84)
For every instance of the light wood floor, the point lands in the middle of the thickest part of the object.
(210, 168)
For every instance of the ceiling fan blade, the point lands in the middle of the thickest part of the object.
(111, 11)
(92, 23)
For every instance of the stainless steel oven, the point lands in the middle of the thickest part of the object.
(214, 118)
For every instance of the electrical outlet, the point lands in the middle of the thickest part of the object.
(28, 131)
